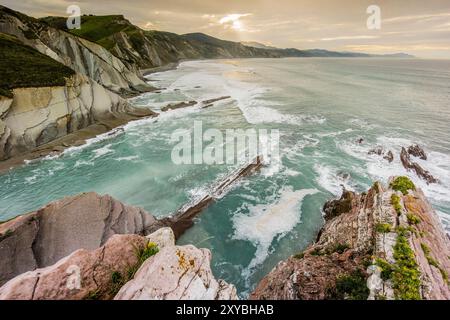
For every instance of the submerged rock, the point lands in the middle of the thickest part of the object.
(363, 230)
(174, 106)
(389, 156)
(417, 151)
(378, 151)
(43, 237)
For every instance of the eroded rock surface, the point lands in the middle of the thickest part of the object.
(83, 274)
(86, 221)
(177, 273)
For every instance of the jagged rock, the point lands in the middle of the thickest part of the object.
(334, 208)
(417, 151)
(389, 156)
(82, 275)
(177, 273)
(174, 106)
(87, 221)
(378, 151)
(353, 239)
(409, 165)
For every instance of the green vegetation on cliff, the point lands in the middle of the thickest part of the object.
(406, 274)
(22, 66)
(403, 184)
(350, 287)
(99, 29)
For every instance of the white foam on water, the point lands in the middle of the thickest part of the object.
(335, 134)
(80, 163)
(129, 158)
(265, 222)
(330, 179)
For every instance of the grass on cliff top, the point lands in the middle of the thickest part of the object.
(98, 29)
(22, 66)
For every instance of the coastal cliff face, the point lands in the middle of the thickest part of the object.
(81, 55)
(36, 116)
(94, 247)
(387, 243)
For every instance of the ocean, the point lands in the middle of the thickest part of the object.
(321, 107)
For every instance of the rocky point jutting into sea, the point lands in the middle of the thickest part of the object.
(142, 233)
(387, 243)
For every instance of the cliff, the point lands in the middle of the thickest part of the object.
(387, 243)
(37, 116)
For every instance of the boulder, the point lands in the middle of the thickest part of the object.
(82, 275)
(86, 221)
(177, 273)
(389, 156)
(335, 208)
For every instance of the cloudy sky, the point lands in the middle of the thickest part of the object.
(419, 27)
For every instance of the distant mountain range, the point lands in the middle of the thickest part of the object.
(149, 49)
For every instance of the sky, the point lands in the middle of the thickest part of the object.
(418, 27)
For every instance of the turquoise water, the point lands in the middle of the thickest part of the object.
(320, 106)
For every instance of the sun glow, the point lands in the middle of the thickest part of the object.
(233, 21)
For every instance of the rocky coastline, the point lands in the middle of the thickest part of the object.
(94, 247)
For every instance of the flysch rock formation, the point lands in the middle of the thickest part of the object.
(81, 55)
(383, 244)
(170, 273)
(36, 116)
(86, 221)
